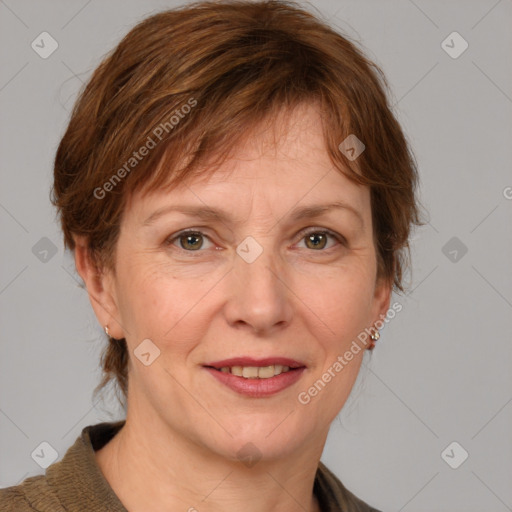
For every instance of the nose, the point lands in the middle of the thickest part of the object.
(258, 293)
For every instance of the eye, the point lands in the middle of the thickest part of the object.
(189, 240)
(316, 239)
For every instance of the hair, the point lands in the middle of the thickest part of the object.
(180, 92)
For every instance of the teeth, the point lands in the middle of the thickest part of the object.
(264, 372)
(250, 372)
(236, 370)
(256, 372)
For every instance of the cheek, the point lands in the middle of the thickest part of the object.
(343, 298)
(158, 304)
(149, 304)
(164, 308)
(339, 313)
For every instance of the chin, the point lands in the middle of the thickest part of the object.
(266, 438)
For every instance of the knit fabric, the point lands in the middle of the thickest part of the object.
(76, 483)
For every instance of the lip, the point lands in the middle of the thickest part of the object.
(249, 361)
(257, 388)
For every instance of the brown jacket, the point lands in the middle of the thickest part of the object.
(76, 483)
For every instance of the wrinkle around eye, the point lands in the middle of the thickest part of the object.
(340, 241)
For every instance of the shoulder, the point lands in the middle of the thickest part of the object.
(335, 496)
(73, 483)
(32, 495)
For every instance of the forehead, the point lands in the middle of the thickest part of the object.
(282, 162)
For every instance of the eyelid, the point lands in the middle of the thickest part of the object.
(172, 238)
(337, 236)
(301, 234)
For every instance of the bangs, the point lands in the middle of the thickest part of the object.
(196, 152)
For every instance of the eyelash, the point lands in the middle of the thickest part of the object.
(303, 234)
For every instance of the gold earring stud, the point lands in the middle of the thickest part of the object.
(374, 336)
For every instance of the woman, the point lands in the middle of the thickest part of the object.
(238, 197)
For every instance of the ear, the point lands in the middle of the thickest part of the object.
(100, 288)
(381, 298)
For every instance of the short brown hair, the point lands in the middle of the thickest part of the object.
(234, 63)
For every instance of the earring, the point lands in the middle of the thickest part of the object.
(106, 331)
(374, 336)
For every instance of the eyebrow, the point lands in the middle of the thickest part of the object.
(211, 214)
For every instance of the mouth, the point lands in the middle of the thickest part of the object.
(256, 378)
(250, 368)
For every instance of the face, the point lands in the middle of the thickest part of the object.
(260, 286)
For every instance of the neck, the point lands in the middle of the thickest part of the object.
(150, 467)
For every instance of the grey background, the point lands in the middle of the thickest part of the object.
(441, 371)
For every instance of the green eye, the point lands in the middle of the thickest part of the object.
(317, 239)
(190, 240)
